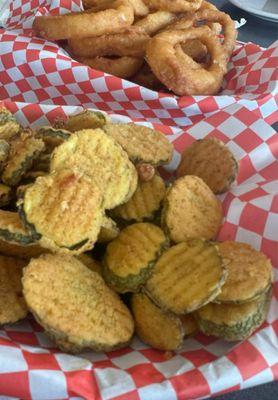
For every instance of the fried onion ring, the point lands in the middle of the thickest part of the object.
(84, 24)
(175, 6)
(130, 42)
(140, 8)
(215, 20)
(179, 72)
(230, 32)
(123, 67)
(156, 21)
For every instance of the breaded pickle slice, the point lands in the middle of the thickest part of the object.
(42, 163)
(189, 324)
(5, 195)
(187, 276)
(191, 210)
(130, 258)
(145, 201)
(108, 231)
(24, 150)
(141, 143)
(52, 137)
(212, 161)
(74, 305)
(160, 329)
(4, 152)
(30, 178)
(102, 159)
(233, 321)
(12, 303)
(86, 120)
(17, 250)
(8, 124)
(249, 273)
(90, 262)
(63, 211)
(12, 229)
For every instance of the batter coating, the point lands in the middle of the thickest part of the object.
(74, 305)
(191, 210)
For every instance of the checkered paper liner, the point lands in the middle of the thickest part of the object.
(31, 368)
(38, 71)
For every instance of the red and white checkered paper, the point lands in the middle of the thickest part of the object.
(38, 71)
(31, 368)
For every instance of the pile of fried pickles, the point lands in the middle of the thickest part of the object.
(182, 46)
(98, 247)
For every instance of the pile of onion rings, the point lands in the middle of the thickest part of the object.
(182, 46)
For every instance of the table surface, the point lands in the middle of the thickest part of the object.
(264, 33)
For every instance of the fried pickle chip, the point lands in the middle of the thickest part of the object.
(18, 250)
(8, 124)
(189, 324)
(12, 229)
(86, 120)
(74, 305)
(12, 303)
(108, 231)
(191, 210)
(30, 178)
(187, 276)
(130, 258)
(5, 195)
(212, 161)
(233, 321)
(42, 163)
(52, 137)
(90, 262)
(4, 152)
(249, 273)
(102, 159)
(160, 329)
(141, 143)
(145, 201)
(63, 211)
(24, 150)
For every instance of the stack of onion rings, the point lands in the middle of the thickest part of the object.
(159, 44)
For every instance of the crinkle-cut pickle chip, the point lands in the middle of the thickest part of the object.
(102, 159)
(141, 143)
(17, 250)
(53, 137)
(12, 304)
(158, 328)
(24, 150)
(8, 124)
(233, 321)
(212, 161)
(249, 273)
(189, 324)
(63, 211)
(130, 258)
(90, 262)
(108, 231)
(191, 210)
(5, 195)
(86, 120)
(187, 276)
(74, 305)
(12, 229)
(145, 201)
(4, 152)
